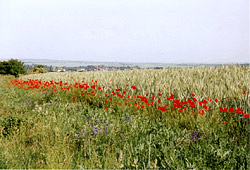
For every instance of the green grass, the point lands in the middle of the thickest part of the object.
(40, 129)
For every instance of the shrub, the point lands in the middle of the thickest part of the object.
(12, 67)
(40, 66)
(38, 69)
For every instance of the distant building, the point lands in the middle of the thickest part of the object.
(61, 70)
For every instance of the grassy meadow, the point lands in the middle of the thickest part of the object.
(136, 119)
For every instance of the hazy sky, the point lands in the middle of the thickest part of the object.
(169, 31)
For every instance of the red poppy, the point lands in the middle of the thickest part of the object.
(223, 110)
(74, 99)
(124, 92)
(195, 99)
(184, 102)
(201, 112)
(146, 94)
(180, 110)
(216, 100)
(177, 101)
(226, 122)
(204, 101)
(192, 104)
(178, 105)
(5, 111)
(133, 87)
(105, 101)
(172, 96)
(106, 108)
(117, 89)
(163, 108)
(246, 115)
(231, 110)
(238, 111)
(159, 94)
(76, 85)
(142, 107)
(159, 100)
(192, 95)
(153, 96)
(205, 107)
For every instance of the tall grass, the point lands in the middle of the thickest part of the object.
(42, 129)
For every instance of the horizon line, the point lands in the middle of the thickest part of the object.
(244, 62)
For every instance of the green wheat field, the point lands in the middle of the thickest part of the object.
(175, 118)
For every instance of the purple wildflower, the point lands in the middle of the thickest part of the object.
(106, 130)
(128, 118)
(194, 135)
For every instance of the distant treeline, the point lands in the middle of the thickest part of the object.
(83, 68)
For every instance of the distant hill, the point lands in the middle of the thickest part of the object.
(65, 63)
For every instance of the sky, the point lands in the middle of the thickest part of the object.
(150, 31)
